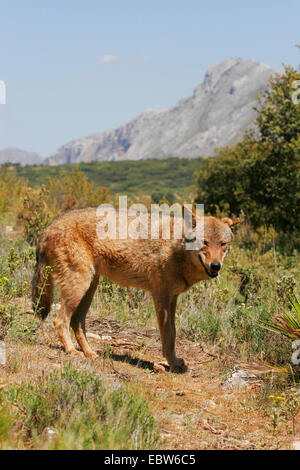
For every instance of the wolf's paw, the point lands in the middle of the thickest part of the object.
(178, 366)
(74, 352)
(91, 354)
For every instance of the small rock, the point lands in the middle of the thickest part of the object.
(239, 379)
(93, 336)
(9, 229)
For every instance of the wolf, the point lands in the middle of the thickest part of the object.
(71, 254)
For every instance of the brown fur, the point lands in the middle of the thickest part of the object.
(164, 267)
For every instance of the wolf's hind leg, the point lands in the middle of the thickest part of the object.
(62, 324)
(78, 319)
(74, 295)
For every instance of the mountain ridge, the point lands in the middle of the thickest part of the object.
(23, 157)
(216, 114)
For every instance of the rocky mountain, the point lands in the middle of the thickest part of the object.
(217, 114)
(15, 155)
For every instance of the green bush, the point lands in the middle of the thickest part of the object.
(261, 174)
(83, 411)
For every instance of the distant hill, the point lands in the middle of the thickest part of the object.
(217, 114)
(142, 177)
(15, 155)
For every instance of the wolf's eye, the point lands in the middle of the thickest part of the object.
(223, 243)
(205, 243)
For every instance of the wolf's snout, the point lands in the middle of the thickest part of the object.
(215, 266)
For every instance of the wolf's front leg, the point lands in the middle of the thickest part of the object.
(165, 307)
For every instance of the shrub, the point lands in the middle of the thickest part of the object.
(35, 213)
(261, 174)
(84, 411)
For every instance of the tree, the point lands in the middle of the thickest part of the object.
(261, 174)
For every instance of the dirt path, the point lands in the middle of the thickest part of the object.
(192, 409)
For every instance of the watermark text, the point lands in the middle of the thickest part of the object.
(2, 92)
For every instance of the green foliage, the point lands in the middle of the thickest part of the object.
(286, 323)
(35, 213)
(160, 197)
(42, 204)
(6, 425)
(11, 190)
(73, 190)
(83, 411)
(261, 174)
(16, 264)
(171, 176)
(284, 408)
(124, 302)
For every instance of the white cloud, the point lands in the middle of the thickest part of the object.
(104, 59)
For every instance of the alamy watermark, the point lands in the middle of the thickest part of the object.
(296, 94)
(296, 353)
(2, 92)
(164, 222)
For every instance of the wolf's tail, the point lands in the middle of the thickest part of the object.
(42, 286)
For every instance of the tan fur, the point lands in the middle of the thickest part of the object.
(78, 257)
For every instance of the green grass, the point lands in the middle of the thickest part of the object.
(82, 410)
(17, 259)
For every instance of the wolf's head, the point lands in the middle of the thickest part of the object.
(209, 252)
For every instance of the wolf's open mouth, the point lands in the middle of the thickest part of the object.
(206, 270)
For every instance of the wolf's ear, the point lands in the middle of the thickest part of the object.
(231, 222)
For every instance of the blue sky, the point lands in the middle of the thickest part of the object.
(76, 67)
